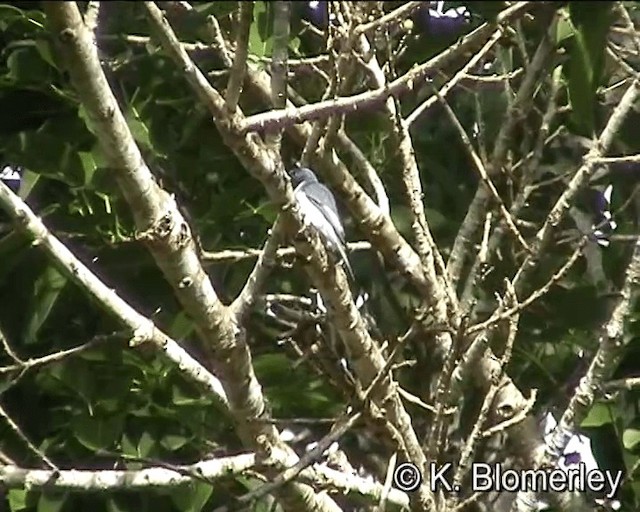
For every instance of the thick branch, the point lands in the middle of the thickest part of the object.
(169, 240)
(142, 328)
(330, 279)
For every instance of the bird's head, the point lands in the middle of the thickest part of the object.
(302, 175)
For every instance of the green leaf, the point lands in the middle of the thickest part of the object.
(12, 248)
(17, 499)
(260, 40)
(631, 438)
(97, 433)
(88, 165)
(264, 504)
(10, 12)
(191, 497)
(294, 44)
(138, 128)
(78, 378)
(142, 412)
(565, 29)
(173, 442)
(145, 445)
(591, 21)
(47, 290)
(27, 67)
(29, 180)
(114, 506)
(600, 414)
(44, 50)
(50, 502)
(178, 397)
(127, 447)
(181, 327)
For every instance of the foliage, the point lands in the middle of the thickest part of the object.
(114, 406)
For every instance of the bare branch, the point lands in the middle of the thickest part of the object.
(236, 79)
(611, 342)
(499, 315)
(395, 16)
(338, 430)
(426, 247)
(36, 362)
(462, 74)
(91, 15)
(32, 448)
(278, 119)
(330, 279)
(104, 479)
(211, 470)
(530, 163)
(599, 147)
(367, 169)
(231, 256)
(168, 235)
(484, 175)
(142, 329)
(477, 209)
(279, 64)
(257, 279)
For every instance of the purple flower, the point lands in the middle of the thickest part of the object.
(11, 176)
(578, 449)
(603, 220)
(440, 22)
(317, 13)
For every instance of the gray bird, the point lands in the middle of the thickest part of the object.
(319, 209)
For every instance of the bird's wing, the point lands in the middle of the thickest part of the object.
(322, 198)
(319, 208)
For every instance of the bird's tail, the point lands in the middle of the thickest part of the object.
(345, 261)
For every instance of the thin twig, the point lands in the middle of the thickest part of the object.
(483, 173)
(142, 328)
(455, 79)
(499, 315)
(257, 279)
(279, 66)
(517, 109)
(396, 16)
(32, 448)
(232, 256)
(36, 362)
(277, 119)
(337, 431)
(610, 345)
(567, 197)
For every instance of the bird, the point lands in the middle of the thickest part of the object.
(319, 210)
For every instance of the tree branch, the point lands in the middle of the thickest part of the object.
(142, 329)
(238, 70)
(611, 342)
(279, 119)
